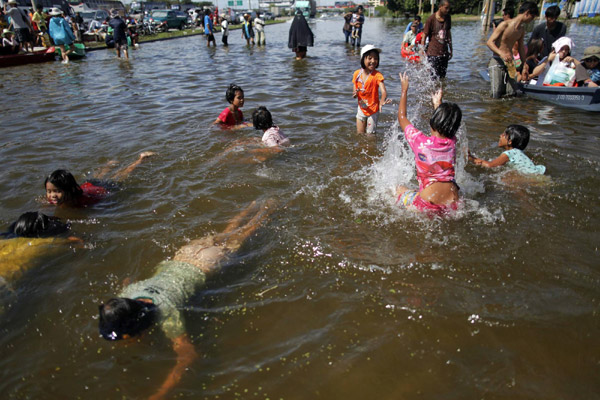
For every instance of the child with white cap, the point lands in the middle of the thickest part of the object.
(368, 82)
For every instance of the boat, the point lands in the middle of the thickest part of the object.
(78, 51)
(583, 98)
(409, 54)
(12, 60)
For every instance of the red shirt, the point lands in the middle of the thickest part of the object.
(91, 194)
(228, 117)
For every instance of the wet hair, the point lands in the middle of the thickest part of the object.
(552, 12)
(230, 93)
(34, 224)
(531, 7)
(446, 119)
(518, 136)
(362, 60)
(65, 181)
(509, 11)
(261, 118)
(123, 316)
(535, 47)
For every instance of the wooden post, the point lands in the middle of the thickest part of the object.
(432, 5)
(420, 7)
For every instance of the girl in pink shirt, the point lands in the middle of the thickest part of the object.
(435, 155)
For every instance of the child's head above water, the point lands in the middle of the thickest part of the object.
(261, 118)
(232, 92)
(446, 119)
(61, 187)
(123, 317)
(517, 136)
(36, 225)
(368, 53)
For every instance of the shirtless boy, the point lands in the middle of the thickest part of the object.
(501, 43)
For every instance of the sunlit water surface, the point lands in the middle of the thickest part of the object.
(341, 295)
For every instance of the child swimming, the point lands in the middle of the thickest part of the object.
(62, 188)
(31, 236)
(232, 115)
(368, 82)
(513, 140)
(435, 155)
(272, 135)
(161, 297)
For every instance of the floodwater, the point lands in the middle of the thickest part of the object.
(340, 295)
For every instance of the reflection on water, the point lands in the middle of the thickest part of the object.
(341, 294)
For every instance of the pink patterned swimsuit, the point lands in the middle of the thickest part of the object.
(435, 157)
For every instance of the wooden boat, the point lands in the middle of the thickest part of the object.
(78, 51)
(583, 98)
(12, 60)
(409, 54)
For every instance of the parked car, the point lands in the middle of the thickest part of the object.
(89, 16)
(168, 18)
(267, 15)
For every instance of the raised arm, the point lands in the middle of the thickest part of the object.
(402, 120)
(186, 354)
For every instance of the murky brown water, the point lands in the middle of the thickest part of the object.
(341, 295)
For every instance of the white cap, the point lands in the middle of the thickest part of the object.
(55, 11)
(368, 48)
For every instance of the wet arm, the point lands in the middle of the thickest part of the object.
(384, 100)
(186, 354)
(402, 119)
(501, 160)
(491, 43)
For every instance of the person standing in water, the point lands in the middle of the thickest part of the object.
(501, 66)
(300, 36)
(160, 297)
(437, 31)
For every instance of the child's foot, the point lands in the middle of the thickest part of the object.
(146, 154)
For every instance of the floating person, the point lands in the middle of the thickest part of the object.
(62, 188)
(501, 67)
(160, 298)
(368, 82)
(417, 22)
(438, 31)
(61, 33)
(272, 135)
(31, 236)
(300, 36)
(435, 156)
(513, 140)
(232, 116)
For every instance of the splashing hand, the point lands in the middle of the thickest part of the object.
(404, 81)
(436, 98)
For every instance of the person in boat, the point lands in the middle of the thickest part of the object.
(416, 21)
(534, 65)
(507, 14)
(300, 36)
(31, 236)
(9, 43)
(568, 71)
(63, 190)
(513, 140)
(160, 298)
(410, 38)
(94, 30)
(438, 31)
(119, 33)
(590, 61)
(21, 25)
(501, 67)
(549, 31)
(61, 33)
(435, 156)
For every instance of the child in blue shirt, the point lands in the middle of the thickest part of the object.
(513, 140)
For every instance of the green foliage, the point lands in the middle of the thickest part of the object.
(592, 21)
